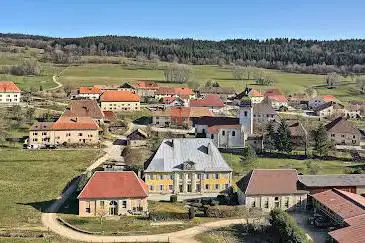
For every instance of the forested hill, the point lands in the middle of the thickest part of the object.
(271, 53)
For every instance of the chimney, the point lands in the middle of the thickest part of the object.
(74, 119)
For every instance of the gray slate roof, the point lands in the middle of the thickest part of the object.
(332, 180)
(200, 152)
(263, 108)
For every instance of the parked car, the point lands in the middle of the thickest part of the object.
(33, 146)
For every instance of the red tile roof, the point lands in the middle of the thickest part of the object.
(211, 100)
(119, 96)
(271, 92)
(146, 85)
(8, 87)
(328, 98)
(109, 115)
(184, 112)
(269, 182)
(179, 91)
(255, 93)
(351, 234)
(116, 184)
(75, 123)
(90, 90)
(279, 98)
(341, 203)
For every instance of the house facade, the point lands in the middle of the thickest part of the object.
(269, 189)
(263, 112)
(137, 138)
(119, 101)
(188, 166)
(10, 94)
(325, 110)
(113, 193)
(91, 93)
(66, 130)
(343, 132)
(184, 93)
(320, 100)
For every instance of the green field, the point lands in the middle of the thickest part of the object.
(30, 180)
(324, 166)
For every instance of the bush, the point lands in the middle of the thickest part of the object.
(166, 216)
(173, 198)
(191, 213)
(224, 211)
(223, 200)
(286, 228)
(248, 154)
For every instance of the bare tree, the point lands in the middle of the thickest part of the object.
(238, 72)
(361, 84)
(102, 213)
(332, 80)
(177, 73)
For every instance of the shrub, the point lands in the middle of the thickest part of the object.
(223, 200)
(191, 213)
(248, 154)
(173, 198)
(165, 216)
(224, 211)
(286, 228)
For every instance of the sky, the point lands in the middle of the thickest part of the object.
(199, 19)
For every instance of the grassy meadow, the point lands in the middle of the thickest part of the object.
(32, 179)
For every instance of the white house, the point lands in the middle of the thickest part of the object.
(271, 188)
(91, 93)
(10, 94)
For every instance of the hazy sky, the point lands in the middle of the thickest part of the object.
(320, 19)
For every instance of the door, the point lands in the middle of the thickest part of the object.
(113, 208)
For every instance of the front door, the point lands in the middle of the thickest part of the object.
(113, 208)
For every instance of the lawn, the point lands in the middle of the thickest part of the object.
(133, 225)
(324, 166)
(32, 179)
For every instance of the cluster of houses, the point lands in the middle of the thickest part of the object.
(338, 200)
(195, 166)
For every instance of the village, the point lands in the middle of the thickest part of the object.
(175, 149)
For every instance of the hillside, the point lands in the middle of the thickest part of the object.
(293, 55)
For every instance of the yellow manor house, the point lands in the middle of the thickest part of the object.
(188, 166)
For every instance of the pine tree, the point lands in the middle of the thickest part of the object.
(269, 139)
(322, 144)
(283, 140)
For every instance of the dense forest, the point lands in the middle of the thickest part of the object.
(295, 55)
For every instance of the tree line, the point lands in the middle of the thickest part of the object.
(293, 55)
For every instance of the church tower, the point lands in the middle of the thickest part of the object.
(246, 116)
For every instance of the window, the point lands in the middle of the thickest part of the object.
(161, 187)
(189, 176)
(353, 136)
(44, 133)
(151, 188)
(254, 204)
(342, 135)
(87, 209)
(226, 186)
(212, 136)
(171, 187)
(198, 176)
(216, 186)
(161, 177)
(80, 134)
(124, 204)
(266, 204)
(246, 113)
(224, 133)
(207, 186)
(276, 198)
(35, 133)
(287, 202)
(101, 204)
(333, 135)
(233, 133)
(68, 134)
(217, 176)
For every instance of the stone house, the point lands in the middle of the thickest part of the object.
(320, 100)
(188, 166)
(268, 189)
(343, 132)
(119, 101)
(173, 101)
(325, 110)
(10, 94)
(113, 193)
(253, 94)
(66, 130)
(180, 117)
(264, 112)
(137, 138)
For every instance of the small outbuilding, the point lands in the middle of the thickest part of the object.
(137, 138)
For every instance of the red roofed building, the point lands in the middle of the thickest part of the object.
(119, 101)
(113, 193)
(346, 210)
(143, 88)
(277, 101)
(271, 188)
(320, 100)
(91, 93)
(182, 92)
(66, 130)
(179, 116)
(211, 101)
(9, 93)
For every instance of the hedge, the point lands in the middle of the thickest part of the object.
(224, 211)
(286, 227)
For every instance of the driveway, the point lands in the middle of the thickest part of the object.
(317, 235)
